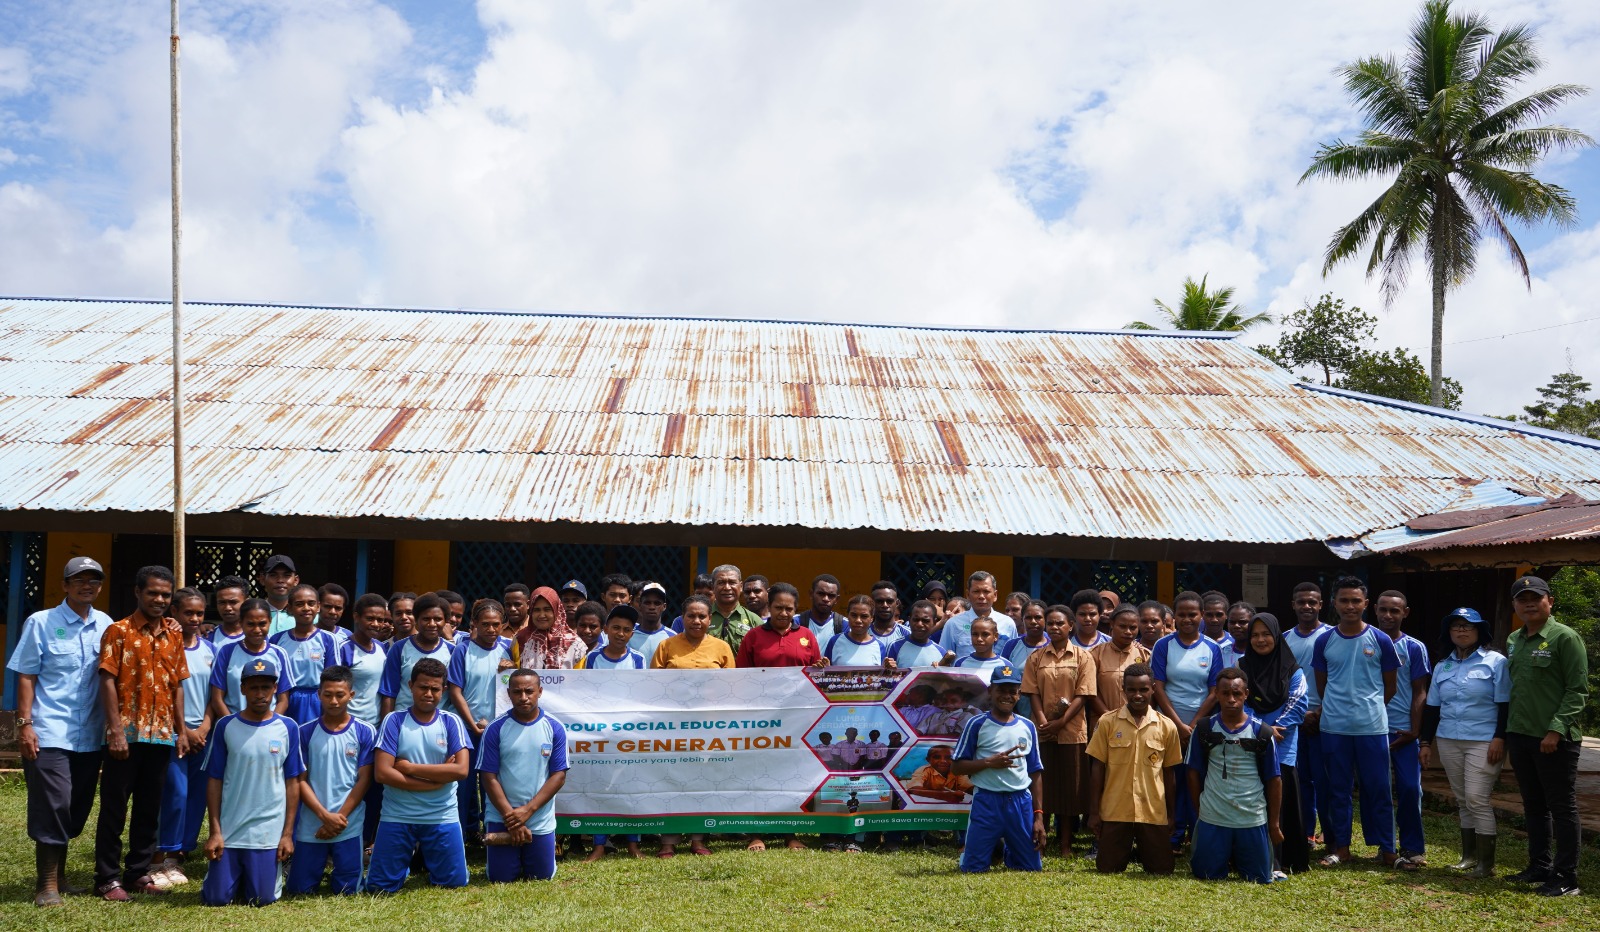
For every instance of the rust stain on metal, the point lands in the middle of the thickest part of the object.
(989, 375)
(386, 436)
(480, 398)
(1289, 449)
(127, 409)
(672, 437)
(952, 445)
(850, 341)
(66, 477)
(804, 401)
(614, 397)
(106, 375)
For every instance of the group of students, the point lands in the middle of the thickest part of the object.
(365, 737)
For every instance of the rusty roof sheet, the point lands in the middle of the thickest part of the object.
(452, 415)
(1565, 521)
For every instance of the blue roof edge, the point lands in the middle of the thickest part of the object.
(1448, 414)
(1224, 336)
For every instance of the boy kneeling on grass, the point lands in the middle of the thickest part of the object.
(999, 752)
(524, 764)
(1233, 772)
(337, 750)
(252, 794)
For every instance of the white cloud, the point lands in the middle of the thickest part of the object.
(14, 72)
(869, 161)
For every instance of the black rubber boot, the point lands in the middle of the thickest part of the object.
(1485, 868)
(46, 860)
(1469, 851)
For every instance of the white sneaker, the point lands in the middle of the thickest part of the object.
(173, 871)
(159, 879)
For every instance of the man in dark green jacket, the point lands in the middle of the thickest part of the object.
(1549, 686)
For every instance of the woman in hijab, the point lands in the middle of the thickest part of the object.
(546, 642)
(1278, 698)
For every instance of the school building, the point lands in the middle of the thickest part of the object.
(400, 449)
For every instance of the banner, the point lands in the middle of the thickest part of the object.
(832, 750)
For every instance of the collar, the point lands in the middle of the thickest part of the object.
(1150, 714)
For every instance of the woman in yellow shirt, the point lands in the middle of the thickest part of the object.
(695, 648)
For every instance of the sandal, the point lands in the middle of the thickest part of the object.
(852, 848)
(666, 853)
(700, 850)
(1398, 862)
(1332, 860)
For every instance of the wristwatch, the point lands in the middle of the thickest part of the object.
(24, 723)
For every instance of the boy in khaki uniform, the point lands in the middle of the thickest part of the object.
(1132, 789)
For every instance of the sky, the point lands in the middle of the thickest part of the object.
(1005, 164)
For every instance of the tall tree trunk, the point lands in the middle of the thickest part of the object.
(1436, 374)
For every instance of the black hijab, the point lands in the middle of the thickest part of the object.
(1269, 673)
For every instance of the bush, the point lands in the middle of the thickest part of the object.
(1577, 594)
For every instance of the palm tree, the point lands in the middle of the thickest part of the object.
(1204, 310)
(1440, 124)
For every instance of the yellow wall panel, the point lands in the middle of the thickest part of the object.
(1166, 581)
(856, 570)
(999, 566)
(421, 565)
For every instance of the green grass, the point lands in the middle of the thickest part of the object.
(784, 890)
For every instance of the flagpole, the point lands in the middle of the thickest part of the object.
(178, 539)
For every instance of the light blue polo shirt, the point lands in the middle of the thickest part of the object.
(1302, 646)
(333, 761)
(1234, 794)
(1413, 658)
(367, 668)
(1189, 670)
(646, 642)
(1466, 693)
(280, 621)
(1017, 651)
(956, 634)
(523, 755)
(632, 660)
(907, 653)
(475, 671)
(1100, 637)
(220, 638)
(63, 651)
(984, 737)
(973, 661)
(230, 664)
(307, 658)
(844, 652)
(197, 688)
(402, 656)
(254, 761)
(901, 630)
(1355, 664)
(432, 742)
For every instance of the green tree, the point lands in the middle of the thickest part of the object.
(1202, 309)
(1441, 125)
(1325, 335)
(1396, 374)
(1576, 590)
(1565, 405)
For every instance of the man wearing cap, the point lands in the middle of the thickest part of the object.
(1549, 686)
(142, 669)
(59, 720)
(573, 594)
(278, 578)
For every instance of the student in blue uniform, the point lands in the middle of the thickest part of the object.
(999, 753)
(364, 653)
(253, 794)
(423, 751)
(1214, 617)
(183, 801)
(618, 651)
(337, 750)
(1301, 641)
(1355, 666)
(429, 614)
(1405, 726)
(650, 631)
(856, 646)
(1086, 611)
(524, 766)
(920, 648)
(229, 597)
(1233, 772)
(1240, 614)
(474, 672)
(308, 650)
(1185, 664)
(227, 694)
(1033, 637)
(985, 636)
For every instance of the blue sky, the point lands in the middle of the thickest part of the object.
(1020, 164)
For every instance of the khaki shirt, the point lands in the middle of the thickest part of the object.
(1136, 755)
(1052, 675)
(1109, 664)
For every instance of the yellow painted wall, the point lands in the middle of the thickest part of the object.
(421, 565)
(1166, 581)
(61, 547)
(999, 566)
(856, 570)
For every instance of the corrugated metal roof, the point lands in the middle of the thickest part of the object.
(342, 412)
(1572, 522)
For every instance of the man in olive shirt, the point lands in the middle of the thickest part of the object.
(730, 620)
(1549, 686)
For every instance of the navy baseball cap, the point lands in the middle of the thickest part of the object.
(78, 565)
(261, 666)
(1529, 584)
(1005, 673)
(275, 561)
(572, 585)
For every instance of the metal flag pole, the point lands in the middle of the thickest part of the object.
(178, 542)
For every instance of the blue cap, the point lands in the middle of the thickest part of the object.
(261, 666)
(1005, 673)
(1470, 614)
(575, 586)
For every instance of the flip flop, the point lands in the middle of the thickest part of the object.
(666, 854)
(1332, 860)
(700, 850)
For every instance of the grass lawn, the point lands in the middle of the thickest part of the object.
(780, 889)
